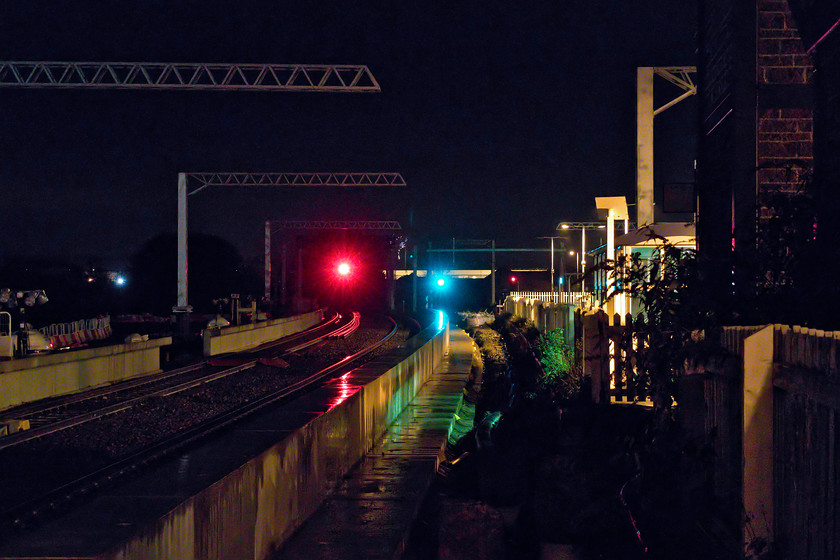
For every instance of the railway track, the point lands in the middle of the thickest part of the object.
(43, 491)
(61, 413)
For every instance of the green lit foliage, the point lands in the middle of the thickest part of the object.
(672, 306)
(563, 377)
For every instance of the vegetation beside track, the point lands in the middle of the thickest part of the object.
(543, 468)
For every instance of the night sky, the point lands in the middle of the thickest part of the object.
(503, 119)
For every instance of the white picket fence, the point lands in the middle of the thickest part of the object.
(569, 298)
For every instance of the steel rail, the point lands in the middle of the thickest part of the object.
(28, 411)
(22, 515)
(77, 419)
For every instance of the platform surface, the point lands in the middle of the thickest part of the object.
(370, 514)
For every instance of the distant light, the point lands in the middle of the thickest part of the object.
(120, 280)
(564, 226)
(513, 278)
(344, 269)
(571, 253)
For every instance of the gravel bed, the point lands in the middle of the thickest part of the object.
(68, 454)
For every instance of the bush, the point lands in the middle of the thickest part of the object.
(563, 377)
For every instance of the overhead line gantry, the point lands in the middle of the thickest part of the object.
(187, 75)
(342, 78)
(203, 180)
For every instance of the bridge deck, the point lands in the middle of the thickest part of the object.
(370, 514)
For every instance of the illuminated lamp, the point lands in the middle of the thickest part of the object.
(343, 269)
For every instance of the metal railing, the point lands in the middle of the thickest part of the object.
(7, 347)
(98, 323)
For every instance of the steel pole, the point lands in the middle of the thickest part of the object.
(551, 280)
(181, 305)
(493, 273)
(267, 248)
(182, 308)
(644, 146)
(283, 275)
(583, 258)
(414, 279)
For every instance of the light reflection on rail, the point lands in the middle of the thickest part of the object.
(345, 389)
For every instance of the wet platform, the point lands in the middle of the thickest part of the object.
(370, 514)
(246, 489)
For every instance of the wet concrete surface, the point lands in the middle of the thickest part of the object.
(110, 516)
(370, 514)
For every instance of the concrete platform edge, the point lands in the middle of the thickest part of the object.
(251, 511)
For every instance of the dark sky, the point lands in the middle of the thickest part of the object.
(503, 119)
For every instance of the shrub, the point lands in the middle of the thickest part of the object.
(563, 376)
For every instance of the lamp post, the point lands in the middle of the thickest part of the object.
(562, 247)
(581, 227)
(20, 300)
(576, 255)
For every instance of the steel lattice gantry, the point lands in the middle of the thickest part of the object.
(204, 180)
(339, 224)
(345, 78)
(193, 183)
(187, 75)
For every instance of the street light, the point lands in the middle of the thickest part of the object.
(20, 300)
(577, 260)
(581, 227)
(551, 280)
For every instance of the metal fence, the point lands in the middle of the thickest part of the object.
(62, 335)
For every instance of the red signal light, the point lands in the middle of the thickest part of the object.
(343, 269)
(513, 279)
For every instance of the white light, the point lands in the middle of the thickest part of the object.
(119, 280)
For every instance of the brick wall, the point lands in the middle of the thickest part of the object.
(784, 139)
(781, 55)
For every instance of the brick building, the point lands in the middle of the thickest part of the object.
(764, 127)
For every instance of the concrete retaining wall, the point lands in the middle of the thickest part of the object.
(251, 511)
(245, 337)
(37, 377)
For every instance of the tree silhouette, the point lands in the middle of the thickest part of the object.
(215, 268)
